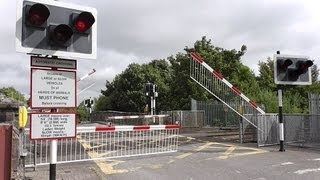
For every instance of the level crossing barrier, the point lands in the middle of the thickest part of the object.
(219, 87)
(134, 119)
(105, 117)
(105, 142)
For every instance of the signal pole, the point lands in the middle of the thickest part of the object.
(151, 90)
(281, 128)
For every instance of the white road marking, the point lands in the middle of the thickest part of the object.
(283, 164)
(304, 171)
(286, 163)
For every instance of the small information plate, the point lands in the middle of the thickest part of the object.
(52, 126)
(53, 63)
(53, 88)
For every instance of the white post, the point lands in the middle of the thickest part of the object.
(53, 151)
(53, 159)
(152, 105)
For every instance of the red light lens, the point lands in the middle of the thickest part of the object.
(83, 22)
(38, 14)
(80, 25)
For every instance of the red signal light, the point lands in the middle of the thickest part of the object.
(38, 14)
(83, 22)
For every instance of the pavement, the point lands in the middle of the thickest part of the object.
(198, 158)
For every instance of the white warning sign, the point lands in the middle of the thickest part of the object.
(52, 126)
(53, 88)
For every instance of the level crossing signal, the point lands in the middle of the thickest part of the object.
(56, 28)
(151, 90)
(88, 103)
(292, 70)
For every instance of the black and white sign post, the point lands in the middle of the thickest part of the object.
(281, 127)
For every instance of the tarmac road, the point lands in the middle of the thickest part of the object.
(199, 159)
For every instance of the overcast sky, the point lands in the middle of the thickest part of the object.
(141, 30)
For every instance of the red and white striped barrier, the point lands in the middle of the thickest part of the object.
(136, 116)
(196, 57)
(126, 128)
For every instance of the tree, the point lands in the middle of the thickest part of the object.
(101, 103)
(126, 91)
(266, 78)
(13, 93)
(227, 62)
(83, 112)
(182, 88)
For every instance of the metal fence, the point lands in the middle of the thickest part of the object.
(103, 142)
(216, 114)
(267, 132)
(302, 130)
(299, 129)
(314, 103)
(186, 119)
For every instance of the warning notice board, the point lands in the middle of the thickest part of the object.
(52, 125)
(53, 88)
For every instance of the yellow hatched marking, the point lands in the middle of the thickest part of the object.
(227, 153)
(106, 168)
(194, 151)
(257, 151)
